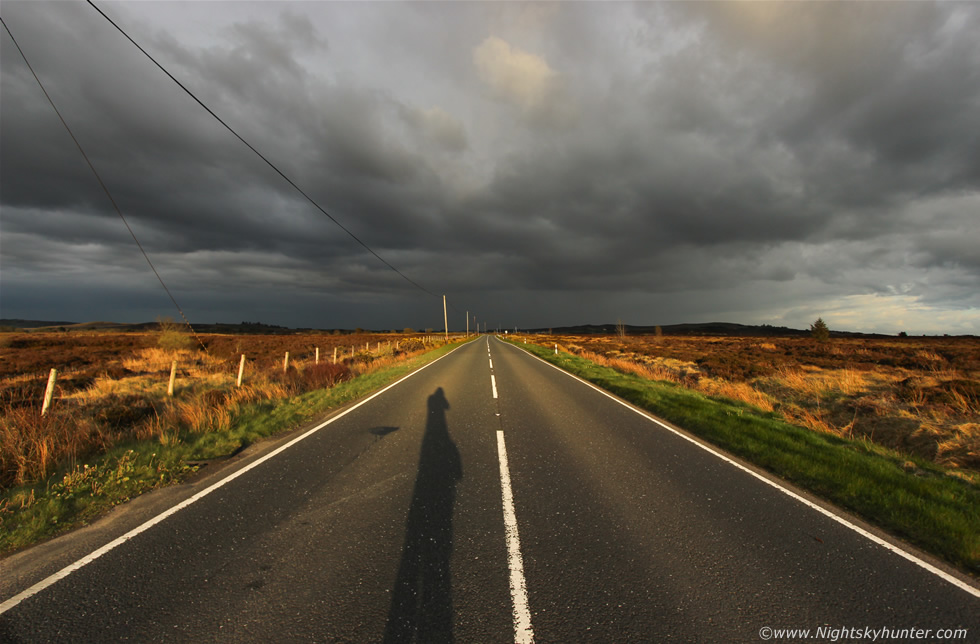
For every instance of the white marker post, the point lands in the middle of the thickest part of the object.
(173, 378)
(335, 355)
(318, 355)
(285, 363)
(241, 370)
(49, 391)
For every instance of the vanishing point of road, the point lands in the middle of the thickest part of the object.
(488, 497)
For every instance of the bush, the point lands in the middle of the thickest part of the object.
(819, 330)
(171, 337)
(324, 375)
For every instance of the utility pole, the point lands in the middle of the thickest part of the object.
(445, 317)
(467, 324)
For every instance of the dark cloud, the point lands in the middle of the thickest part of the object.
(543, 164)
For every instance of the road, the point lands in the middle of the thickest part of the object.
(486, 498)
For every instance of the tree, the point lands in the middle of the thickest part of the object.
(819, 330)
(621, 330)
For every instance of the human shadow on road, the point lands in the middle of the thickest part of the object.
(422, 601)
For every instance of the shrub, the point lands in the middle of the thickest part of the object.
(819, 330)
(171, 338)
(324, 375)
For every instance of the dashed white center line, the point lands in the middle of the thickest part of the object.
(493, 384)
(491, 363)
(523, 634)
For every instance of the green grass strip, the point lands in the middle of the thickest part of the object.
(77, 495)
(927, 506)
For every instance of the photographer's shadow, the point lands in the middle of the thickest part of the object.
(421, 604)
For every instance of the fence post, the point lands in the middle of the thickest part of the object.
(285, 363)
(318, 355)
(173, 378)
(49, 391)
(241, 370)
(335, 355)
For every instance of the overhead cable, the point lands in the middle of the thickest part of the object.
(261, 156)
(104, 187)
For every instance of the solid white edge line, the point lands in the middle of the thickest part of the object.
(67, 570)
(523, 634)
(839, 519)
(493, 384)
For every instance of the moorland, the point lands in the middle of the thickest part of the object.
(917, 395)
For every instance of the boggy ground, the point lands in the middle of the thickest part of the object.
(916, 395)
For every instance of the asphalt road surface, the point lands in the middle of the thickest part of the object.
(487, 498)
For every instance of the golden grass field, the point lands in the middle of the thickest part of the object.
(112, 387)
(916, 395)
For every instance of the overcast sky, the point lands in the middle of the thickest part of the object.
(541, 164)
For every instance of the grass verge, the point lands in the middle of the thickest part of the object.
(905, 495)
(80, 493)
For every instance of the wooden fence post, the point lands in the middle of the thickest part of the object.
(241, 370)
(49, 391)
(285, 363)
(318, 355)
(335, 355)
(173, 378)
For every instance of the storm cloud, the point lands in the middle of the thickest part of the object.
(541, 164)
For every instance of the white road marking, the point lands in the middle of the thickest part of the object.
(839, 519)
(67, 570)
(518, 587)
(493, 384)
(491, 363)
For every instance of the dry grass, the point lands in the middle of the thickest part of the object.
(920, 396)
(740, 391)
(129, 400)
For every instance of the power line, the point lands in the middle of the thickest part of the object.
(260, 155)
(104, 187)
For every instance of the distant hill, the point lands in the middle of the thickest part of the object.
(703, 328)
(31, 324)
(257, 328)
(242, 328)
